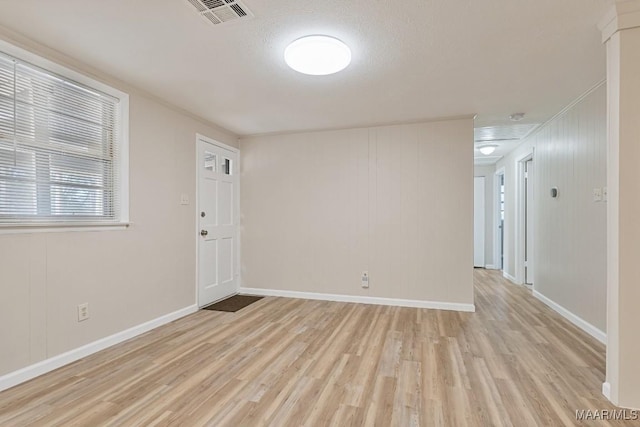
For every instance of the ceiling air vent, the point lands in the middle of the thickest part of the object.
(503, 133)
(221, 11)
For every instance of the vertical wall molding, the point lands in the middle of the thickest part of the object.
(570, 231)
(354, 200)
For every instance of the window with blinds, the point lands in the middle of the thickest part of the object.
(59, 148)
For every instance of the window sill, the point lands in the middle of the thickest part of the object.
(62, 227)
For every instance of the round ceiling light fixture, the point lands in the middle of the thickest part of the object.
(487, 149)
(516, 117)
(317, 55)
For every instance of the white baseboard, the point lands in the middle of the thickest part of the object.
(509, 277)
(360, 299)
(25, 374)
(579, 322)
(606, 390)
(491, 267)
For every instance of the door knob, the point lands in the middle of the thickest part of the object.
(203, 233)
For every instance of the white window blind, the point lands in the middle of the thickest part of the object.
(59, 150)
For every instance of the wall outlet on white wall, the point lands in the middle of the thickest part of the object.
(365, 279)
(83, 311)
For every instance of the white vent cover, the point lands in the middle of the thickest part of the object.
(503, 133)
(221, 11)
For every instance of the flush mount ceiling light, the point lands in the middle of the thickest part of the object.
(488, 149)
(317, 55)
(516, 117)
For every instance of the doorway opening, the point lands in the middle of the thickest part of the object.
(525, 241)
(499, 220)
(478, 221)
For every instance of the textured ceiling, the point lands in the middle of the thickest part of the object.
(413, 60)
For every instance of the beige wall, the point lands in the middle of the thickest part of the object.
(489, 209)
(570, 231)
(128, 277)
(319, 208)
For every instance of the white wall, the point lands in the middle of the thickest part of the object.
(128, 277)
(489, 218)
(570, 231)
(622, 35)
(320, 208)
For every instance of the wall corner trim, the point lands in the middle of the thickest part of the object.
(436, 305)
(579, 322)
(606, 390)
(622, 15)
(25, 374)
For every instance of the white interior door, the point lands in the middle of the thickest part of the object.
(529, 233)
(218, 220)
(478, 221)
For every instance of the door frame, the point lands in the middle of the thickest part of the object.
(196, 213)
(484, 221)
(520, 240)
(496, 220)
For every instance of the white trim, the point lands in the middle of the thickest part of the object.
(510, 278)
(621, 16)
(436, 305)
(125, 172)
(520, 231)
(606, 390)
(568, 107)
(479, 220)
(25, 374)
(39, 61)
(490, 267)
(217, 143)
(579, 322)
(362, 126)
(496, 215)
(197, 222)
(123, 137)
(62, 227)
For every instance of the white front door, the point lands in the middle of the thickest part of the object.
(218, 220)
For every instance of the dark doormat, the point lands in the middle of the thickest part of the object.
(233, 304)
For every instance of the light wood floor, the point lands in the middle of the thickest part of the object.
(290, 362)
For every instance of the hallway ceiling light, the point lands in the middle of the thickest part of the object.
(516, 117)
(317, 55)
(488, 149)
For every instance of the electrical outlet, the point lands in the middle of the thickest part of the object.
(365, 279)
(83, 312)
(184, 199)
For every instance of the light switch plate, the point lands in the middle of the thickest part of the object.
(83, 311)
(597, 194)
(184, 199)
(364, 279)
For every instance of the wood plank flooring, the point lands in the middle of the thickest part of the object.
(290, 362)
